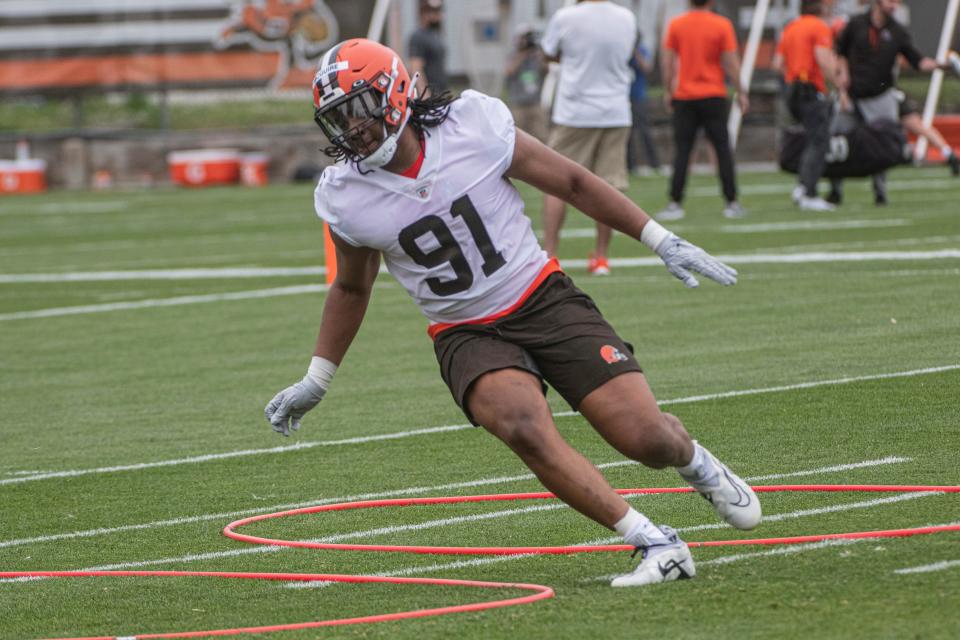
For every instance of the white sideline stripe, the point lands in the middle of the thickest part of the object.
(786, 188)
(821, 225)
(485, 516)
(459, 427)
(715, 525)
(262, 272)
(161, 274)
(929, 568)
(90, 533)
(164, 302)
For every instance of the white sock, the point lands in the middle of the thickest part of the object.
(637, 529)
(700, 466)
(946, 150)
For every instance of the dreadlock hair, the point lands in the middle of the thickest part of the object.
(425, 114)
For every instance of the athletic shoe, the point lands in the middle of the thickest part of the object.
(732, 498)
(954, 164)
(880, 199)
(797, 194)
(835, 198)
(815, 204)
(664, 562)
(673, 212)
(733, 211)
(598, 266)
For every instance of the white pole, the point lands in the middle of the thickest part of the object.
(378, 20)
(746, 67)
(936, 81)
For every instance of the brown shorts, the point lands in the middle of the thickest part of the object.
(602, 151)
(558, 335)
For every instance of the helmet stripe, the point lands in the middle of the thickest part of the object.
(329, 81)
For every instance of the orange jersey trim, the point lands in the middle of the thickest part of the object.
(552, 266)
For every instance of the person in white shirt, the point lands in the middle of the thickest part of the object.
(426, 184)
(594, 41)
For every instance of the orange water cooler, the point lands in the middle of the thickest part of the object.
(23, 176)
(204, 167)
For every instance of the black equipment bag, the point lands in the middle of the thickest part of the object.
(865, 150)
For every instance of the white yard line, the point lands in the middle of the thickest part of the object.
(416, 432)
(164, 302)
(784, 188)
(224, 273)
(396, 493)
(712, 526)
(814, 225)
(409, 491)
(930, 568)
(358, 535)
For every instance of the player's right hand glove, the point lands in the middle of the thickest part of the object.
(288, 407)
(682, 257)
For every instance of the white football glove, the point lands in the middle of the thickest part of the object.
(287, 408)
(682, 257)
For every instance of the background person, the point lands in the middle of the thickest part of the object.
(642, 64)
(503, 317)
(868, 48)
(700, 46)
(525, 72)
(593, 41)
(805, 55)
(912, 120)
(428, 53)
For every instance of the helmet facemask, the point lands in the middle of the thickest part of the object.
(346, 121)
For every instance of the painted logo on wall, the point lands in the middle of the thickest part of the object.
(299, 30)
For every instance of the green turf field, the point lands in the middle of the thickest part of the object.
(143, 332)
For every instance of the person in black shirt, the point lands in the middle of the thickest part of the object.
(428, 53)
(868, 48)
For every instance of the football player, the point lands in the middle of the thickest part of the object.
(426, 184)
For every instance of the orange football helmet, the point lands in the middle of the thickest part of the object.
(361, 83)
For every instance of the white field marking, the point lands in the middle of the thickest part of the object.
(929, 568)
(164, 302)
(55, 208)
(459, 427)
(396, 493)
(811, 225)
(786, 188)
(801, 225)
(89, 533)
(260, 272)
(162, 274)
(486, 516)
(711, 526)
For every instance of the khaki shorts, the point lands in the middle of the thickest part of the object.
(557, 334)
(602, 151)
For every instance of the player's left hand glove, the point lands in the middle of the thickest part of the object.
(682, 257)
(288, 407)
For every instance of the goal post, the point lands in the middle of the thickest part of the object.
(747, 65)
(936, 80)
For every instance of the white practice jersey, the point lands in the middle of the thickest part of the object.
(456, 236)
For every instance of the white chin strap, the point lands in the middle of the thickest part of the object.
(388, 149)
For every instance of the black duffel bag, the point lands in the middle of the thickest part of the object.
(863, 151)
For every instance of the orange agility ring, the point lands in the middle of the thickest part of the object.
(230, 530)
(540, 592)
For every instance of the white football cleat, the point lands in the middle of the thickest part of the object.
(673, 211)
(733, 211)
(661, 563)
(798, 192)
(732, 498)
(815, 204)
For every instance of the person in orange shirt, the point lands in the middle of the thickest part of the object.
(805, 55)
(700, 46)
